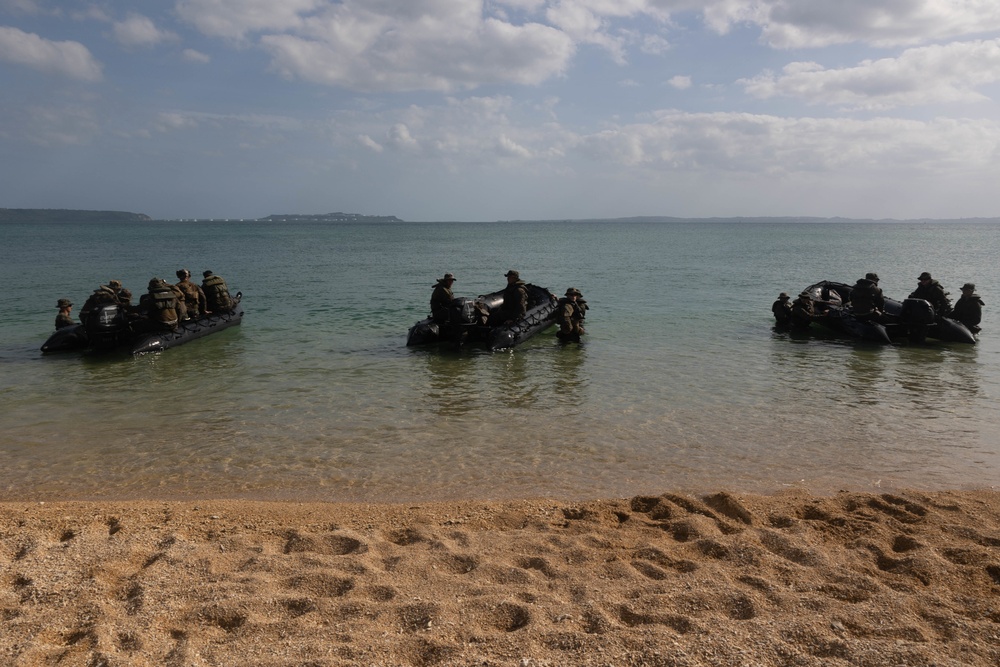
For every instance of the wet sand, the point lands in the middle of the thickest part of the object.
(901, 578)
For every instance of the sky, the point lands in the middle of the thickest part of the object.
(479, 110)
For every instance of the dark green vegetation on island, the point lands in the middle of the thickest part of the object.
(68, 215)
(328, 217)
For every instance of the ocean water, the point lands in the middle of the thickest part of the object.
(681, 383)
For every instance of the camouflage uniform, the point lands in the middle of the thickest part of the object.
(160, 303)
(123, 295)
(571, 315)
(932, 292)
(803, 310)
(867, 300)
(193, 296)
(216, 293)
(441, 299)
(515, 300)
(102, 295)
(64, 318)
(969, 308)
(782, 310)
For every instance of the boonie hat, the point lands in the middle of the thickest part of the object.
(64, 303)
(969, 286)
(116, 284)
(805, 294)
(514, 273)
(925, 276)
(783, 296)
(871, 276)
(572, 291)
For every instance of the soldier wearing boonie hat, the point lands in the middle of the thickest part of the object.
(782, 310)
(571, 315)
(441, 299)
(969, 308)
(64, 318)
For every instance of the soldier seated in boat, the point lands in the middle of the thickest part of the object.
(931, 291)
(867, 301)
(104, 294)
(515, 301)
(122, 295)
(216, 293)
(192, 295)
(159, 306)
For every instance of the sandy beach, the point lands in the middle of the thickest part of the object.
(901, 578)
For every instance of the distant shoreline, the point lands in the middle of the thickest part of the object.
(27, 215)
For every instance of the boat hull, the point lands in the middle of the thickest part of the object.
(76, 338)
(910, 319)
(466, 327)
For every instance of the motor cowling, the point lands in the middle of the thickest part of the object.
(917, 311)
(105, 325)
(463, 311)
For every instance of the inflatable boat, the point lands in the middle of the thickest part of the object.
(466, 322)
(911, 319)
(111, 328)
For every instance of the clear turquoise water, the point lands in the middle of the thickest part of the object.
(681, 383)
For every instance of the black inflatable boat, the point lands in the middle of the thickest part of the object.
(465, 323)
(111, 328)
(911, 319)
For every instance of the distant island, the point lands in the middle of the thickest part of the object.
(68, 215)
(328, 217)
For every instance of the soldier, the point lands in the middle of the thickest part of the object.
(931, 291)
(216, 293)
(969, 308)
(782, 310)
(100, 296)
(515, 300)
(160, 304)
(123, 295)
(193, 296)
(441, 299)
(867, 300)
(803, 311)
(571, 315)
(65, 317)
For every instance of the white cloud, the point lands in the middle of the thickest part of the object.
(235, 19)
(70, 59)
(137, 30)
(509, 148)
(194, 56)
(449, 49)
(740, 142)
(924, 75)
(368, 142)
(817, 23)
(680, 82)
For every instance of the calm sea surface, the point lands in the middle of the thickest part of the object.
(681, 383)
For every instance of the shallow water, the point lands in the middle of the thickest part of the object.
(681, 382)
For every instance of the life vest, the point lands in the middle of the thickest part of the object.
(164, 304)
(216, 293)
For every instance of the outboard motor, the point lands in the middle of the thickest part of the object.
(917, 311)
(106, 325)
(463, 310)
(917, 315)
